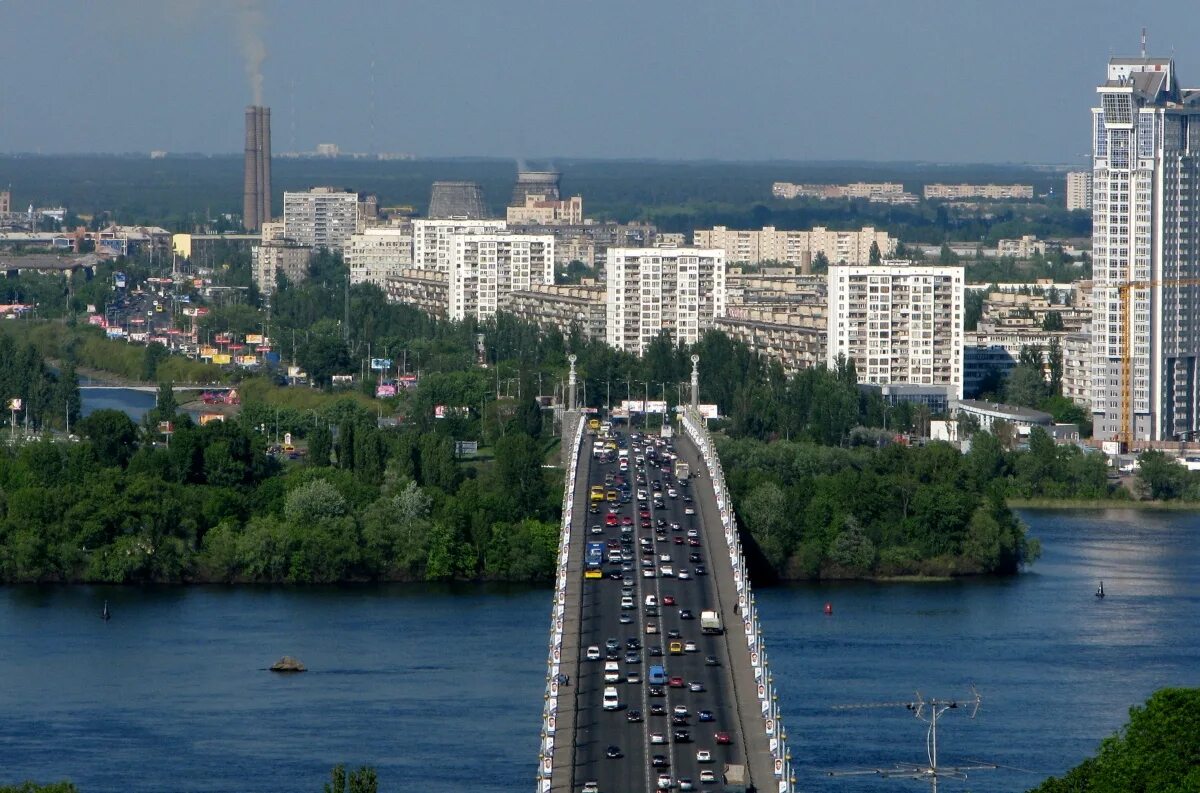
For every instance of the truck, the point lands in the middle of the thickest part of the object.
(682, 471)
(735, 778)
(710, 623)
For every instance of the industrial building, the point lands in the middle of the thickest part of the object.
(458, 200)
(256, 176)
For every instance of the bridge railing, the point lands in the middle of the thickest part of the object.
(554, 655)
(768, 698)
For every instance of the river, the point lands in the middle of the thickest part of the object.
(439, 687)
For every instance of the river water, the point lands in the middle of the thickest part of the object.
(439, 687)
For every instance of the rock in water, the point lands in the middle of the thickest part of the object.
(287, 664)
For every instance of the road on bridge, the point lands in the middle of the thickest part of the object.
(646, 611)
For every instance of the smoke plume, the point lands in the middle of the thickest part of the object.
(250, 22)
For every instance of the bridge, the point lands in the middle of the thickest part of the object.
(672, 592)
(152, 389)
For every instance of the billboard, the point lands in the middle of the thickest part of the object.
(384, 390)
(642, 406)
(15, 404)
(408, 381)
(247, 360)
(342, 380)
(709, 412)
(381, 363)
(208, 352)
(254, 338)
(222, 358)
(96, 319)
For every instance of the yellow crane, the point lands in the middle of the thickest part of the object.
(1125, 290)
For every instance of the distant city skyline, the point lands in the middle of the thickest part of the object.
(868, 80)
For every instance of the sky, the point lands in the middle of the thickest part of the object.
(884, 80)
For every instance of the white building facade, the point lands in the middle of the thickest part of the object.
(1146, 254)
(1079, 190)
(898, 322)
(431, 239)
(795, 247)
(323, 217)
(484, 268)
(378, 252)
(665, 288)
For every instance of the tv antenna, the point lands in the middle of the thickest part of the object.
(929, 711)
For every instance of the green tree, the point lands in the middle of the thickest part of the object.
(820, 263)
(874, 256)
(519, 474)
(1160, 477)
(1158, 751)
(34, 787)
(1025, 386)
(947, 255)
(153, 355)
(323, 356)
(1052, 321)
(320, 445)
(113, 436)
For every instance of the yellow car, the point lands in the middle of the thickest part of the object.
(676, 648)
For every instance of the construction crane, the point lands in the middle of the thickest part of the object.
(1125, 433)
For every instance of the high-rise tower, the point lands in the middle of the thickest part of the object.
(1146, 254)
(256, 175)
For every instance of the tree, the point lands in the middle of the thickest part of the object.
(1025, 386)
(361, 780)
(947, 255)
(519, 473)
(323, 356)
(874, 257)
(1055, 355)
(314, 502)
(820, 263)
(113, 436)
(320, 445)
(1052, 321)
(152, 356)
(1160, 477)
(1156, 752)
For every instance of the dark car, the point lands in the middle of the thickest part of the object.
(679, 721)
(711, 660)
(633, 716)
(613, 752)
(658, 709)
(633, 644)
(704, 715)
(660, 761)
(656, 691)
(656, 650)
(682, 736)
(674, 634)
(632, 657)
(695, 558)
(686, 614)
(700, 570)
(722, 738)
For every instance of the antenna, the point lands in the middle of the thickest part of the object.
(929, 711)
(1143, 43)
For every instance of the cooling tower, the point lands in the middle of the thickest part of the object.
(543, 183)
(256, 176)
(457, 200)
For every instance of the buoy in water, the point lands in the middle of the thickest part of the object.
(829, 609)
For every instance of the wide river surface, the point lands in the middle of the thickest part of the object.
(440, 688)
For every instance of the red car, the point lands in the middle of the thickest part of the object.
(644, 514)
(692, 541)
(626, 521)
(677, 682)
(610, 520)
(668, 600)
(679, 541)
(723, 738)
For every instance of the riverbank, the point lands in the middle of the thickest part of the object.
(1101, 504)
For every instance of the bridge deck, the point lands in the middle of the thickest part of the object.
(584, 730)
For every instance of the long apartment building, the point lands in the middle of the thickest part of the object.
(485, 267)
(1145, 254)
(797, 248)
(325, 217)
(378, 252)
(651, 290)
(886, 192)
(562, 307)
(431, 239)
(992, 191)
(900, 323)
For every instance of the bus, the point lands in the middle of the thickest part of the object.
(595, 555)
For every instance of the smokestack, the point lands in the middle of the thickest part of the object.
(256, 177)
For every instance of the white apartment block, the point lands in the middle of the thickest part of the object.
(994, 191)
(431, 239)
(323, 217)
(795, 247)
(1145, 254)
(484, 268)
(378, 252)
(1079, 190)
(870, 190)
(899, 322)
(546, 211)
(665, 288)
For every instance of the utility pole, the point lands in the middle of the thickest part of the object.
(346, 326)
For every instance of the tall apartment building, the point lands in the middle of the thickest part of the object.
(899, 322)
(431, 239)
(1145, 254)
(323, 217)
(1079, 190)
(485, 267)
(277, 255)
(545, 210)
(378, 252)
(5, 202)
(795, 247)
(651, 290)
(994, 191)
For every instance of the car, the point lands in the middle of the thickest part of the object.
(660, 761)
(680, 721)
(674, 633)
(695, 687)
(689, 510)
(610, 520)
(722, 738)
(711, 660)
(664, 782)
(633, 678)
(655, 691)
(627, 589)
(686, 614)
(593, 653)
(626, 521)
(703, 756)
(597, 529)
(686, 784)
(613, 753)
(658, 709)
(614, 575)
(591, 787)
(612, 644)
(675, 648)
(679, 541)
(633, 643)
(693, 543)
(675, 682)
(632, 657)
(612, 672)
(693, 533)
(627, 602)
(651, 611)
(657, 738)
(634, 717)
(672, 492)
(695, 558)
(701, 570)
(707, 777)
(690, 647)
(667, 571)
(683, 575)
(651, 600)
(648, 573)
(651, 628)
(681, 736)
(705, 715)
(656, 650)
(611, 700)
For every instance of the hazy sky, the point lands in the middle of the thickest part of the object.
(949, 80)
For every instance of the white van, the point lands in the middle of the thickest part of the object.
(610, 698)
(612, 672)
